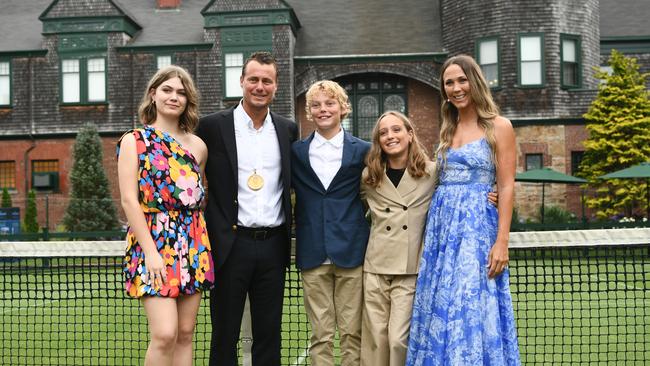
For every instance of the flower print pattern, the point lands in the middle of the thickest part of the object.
(460, 316)
(171, 192)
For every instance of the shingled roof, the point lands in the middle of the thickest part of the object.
(624, 18)
(19, 25)
(332, 27)
(343, 27)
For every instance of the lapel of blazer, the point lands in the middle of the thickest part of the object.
(350, 148)
(228, 132)
(302, 152)
(406, 185)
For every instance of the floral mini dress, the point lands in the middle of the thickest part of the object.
(171, 191)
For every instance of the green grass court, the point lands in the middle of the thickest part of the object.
(573, 307)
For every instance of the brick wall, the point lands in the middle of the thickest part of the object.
(55, 149)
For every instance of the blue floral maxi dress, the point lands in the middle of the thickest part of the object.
(460, 316)
(171, 191)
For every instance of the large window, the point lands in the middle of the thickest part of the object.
(5, 83)
(45, 175)
(570, 61)
(8, 174)
(83, 80)
(488, 58)
(233, 63)
(371, 95)
(531, 60)
(534, 161)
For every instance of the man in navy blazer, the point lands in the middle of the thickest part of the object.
(331, 229)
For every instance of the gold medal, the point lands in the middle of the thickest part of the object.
(255, 181)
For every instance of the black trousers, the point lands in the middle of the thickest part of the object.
(255, 267)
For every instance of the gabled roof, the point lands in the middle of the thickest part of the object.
(344, 27)
(624, 18)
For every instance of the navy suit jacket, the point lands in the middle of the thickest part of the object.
(330, 223)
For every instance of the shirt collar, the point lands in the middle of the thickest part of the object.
(241, 115)
(336, 141)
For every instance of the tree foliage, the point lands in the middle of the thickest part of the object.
(618, 122)
(31, 224)
(6, 198)
(91, 205)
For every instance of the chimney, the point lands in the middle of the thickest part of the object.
(168, 4)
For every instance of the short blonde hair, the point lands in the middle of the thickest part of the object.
(189, 119)
(331, 89)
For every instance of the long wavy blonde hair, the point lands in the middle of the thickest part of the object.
(480, 96)
(376, 158)
(190, 116)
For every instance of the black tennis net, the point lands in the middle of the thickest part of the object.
(583, 301)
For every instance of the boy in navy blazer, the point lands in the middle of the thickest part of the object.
(331, 229)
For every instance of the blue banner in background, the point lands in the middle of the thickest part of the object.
(9, 221)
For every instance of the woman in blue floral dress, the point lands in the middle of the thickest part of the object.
(462, 312)
(168, 262)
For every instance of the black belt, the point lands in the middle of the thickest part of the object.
(259, 233)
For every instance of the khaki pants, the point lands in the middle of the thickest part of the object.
(388, 301)
(333, 299)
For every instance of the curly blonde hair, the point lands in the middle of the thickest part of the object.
(189, 119)
(331, 89)
(376, 158)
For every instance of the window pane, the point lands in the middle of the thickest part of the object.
(70, 66)
(96, 86)
(569, 50)
(70, 88)
(491, 74)
(569, 73)
(96, 65)
(96, 80)
(488, 52)
(4, 68)
(8, 174)
(234, 59)
(576, 159)
(395, 103)
(531, 49)
(4, 90)
(70, 82)
(533, 161)
(367, 115)
(45, 166)
(531, 73)
(233, 88)
(163, 61)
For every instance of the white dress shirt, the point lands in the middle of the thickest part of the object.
(325, 156)
(258, 151)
